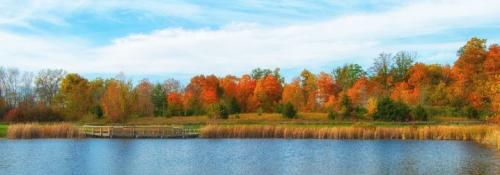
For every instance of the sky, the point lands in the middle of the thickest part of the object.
(179, 39)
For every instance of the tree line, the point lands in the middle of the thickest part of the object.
(395, 88)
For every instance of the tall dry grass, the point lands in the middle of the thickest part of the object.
(479, 133)
(36, 130)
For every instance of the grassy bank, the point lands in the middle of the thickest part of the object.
(479, 133)
(3, 129)
(271, 119)
(35, 130)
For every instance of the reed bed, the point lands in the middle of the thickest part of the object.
(479, 133)
(36, 130)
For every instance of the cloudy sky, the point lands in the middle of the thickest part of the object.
(178, 39)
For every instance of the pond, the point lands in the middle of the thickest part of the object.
(244, 156)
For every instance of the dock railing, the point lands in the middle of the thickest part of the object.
(138, 131)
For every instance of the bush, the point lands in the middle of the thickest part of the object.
(234, 107)
(97, 111)
(218, 110)
(36, 113)
(359, 112)
(392, 111)
(419, 113)
(472, 113)
(346, 107)
(289, 110)
(332, 115)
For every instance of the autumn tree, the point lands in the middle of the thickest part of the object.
(244, 93)
(358, 93)
(143, 104)
(229, 86)
(404, 93)
(326, 88)
(97, 90)
(76, 97)
(468, 72)
(293, 93)
(201, 92)
(175, 104)
(116, 101)
(267, 93)
(492, 71)
(310, 88)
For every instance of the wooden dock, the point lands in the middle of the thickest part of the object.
(138, 132)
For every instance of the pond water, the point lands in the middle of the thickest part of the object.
(244, 156)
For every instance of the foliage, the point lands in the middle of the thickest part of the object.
(75, 92)
(332, 115)
(289, 110)
(36, 113)
(219, 111)
(419, 113)
(469, 87)
(472, 113)
(348, 74)
(391, 111)
(293, 93)
(402, 63)
(159, 100)
(116, 101)
(346, 108)
(234, 107)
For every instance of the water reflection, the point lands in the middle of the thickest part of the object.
(247, 156)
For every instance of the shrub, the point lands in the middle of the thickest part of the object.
(360, 112)
(332, 115)
(472, 113)
(419, 113)
(97, 111)
(36, 113)
(218, 110)
(289, 110)
(234, 107)
(392, 111)
(346, 108)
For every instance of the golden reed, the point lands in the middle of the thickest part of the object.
(480, 133)
(35, 130)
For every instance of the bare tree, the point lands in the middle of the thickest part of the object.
(47, 84)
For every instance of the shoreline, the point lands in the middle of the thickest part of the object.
(485, 134)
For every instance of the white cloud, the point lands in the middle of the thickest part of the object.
(237, 48)
(22, 13)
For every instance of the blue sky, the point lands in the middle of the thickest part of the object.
(179, 39)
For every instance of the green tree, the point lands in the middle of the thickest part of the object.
(234, 107)
(159, 99)
(402, 63)
(289, 110)
(346, 107)
(259, 73)
(348, 74)
(381, 70)
(391, 111)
